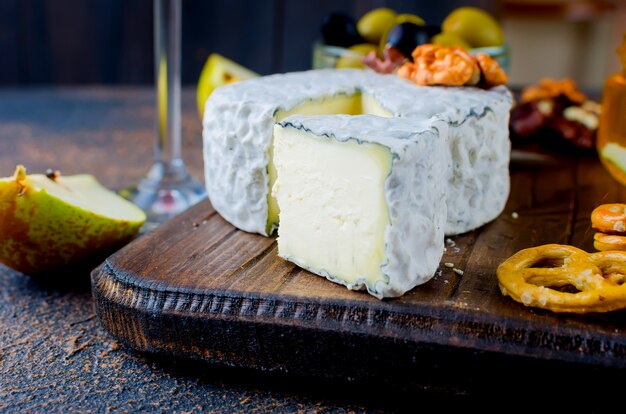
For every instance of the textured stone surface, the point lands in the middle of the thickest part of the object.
(55, 356)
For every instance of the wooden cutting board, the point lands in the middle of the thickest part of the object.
(196, 287)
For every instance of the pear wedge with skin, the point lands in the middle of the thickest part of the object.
(50, 221)
(218, 71)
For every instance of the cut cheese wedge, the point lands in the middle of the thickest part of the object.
(362, 198)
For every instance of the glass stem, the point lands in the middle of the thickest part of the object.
(167, 61)
(167, 189)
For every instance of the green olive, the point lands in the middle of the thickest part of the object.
(450, 39)
(411, 18)
(474, 25)
(375, 23)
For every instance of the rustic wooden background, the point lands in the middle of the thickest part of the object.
(110, 41)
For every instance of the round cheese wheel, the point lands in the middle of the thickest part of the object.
(238, 133)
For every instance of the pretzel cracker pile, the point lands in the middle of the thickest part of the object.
(563, 278)
(610, 221)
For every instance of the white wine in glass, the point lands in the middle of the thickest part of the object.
(167, 189)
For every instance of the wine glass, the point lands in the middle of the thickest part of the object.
(167, 189)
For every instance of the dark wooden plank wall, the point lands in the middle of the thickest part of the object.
(110, 41)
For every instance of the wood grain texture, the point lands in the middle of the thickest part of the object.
(197, 287)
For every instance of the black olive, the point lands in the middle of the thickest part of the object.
(339, 29)
(407, 36)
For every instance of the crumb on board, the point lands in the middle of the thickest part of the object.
(449, 264)
(514, 215)
(458, 271)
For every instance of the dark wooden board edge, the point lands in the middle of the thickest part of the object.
(412, 324)
(258, 333)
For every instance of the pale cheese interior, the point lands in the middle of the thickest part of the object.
(356, 104)
(333, 208)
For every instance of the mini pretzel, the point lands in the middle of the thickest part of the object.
(609, 218)
(530, 276)
(603, 242)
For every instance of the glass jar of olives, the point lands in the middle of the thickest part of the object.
(328, 56)
(345, 42)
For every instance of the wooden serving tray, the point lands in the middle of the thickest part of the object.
(196, 287)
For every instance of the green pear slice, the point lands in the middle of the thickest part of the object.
(223, 71)
(47, 222)
(85, 192)
(615, 154)
(219, 71)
